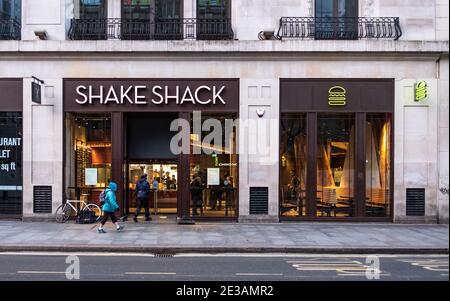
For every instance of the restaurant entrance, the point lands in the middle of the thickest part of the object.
(162, 176)
(148, 152)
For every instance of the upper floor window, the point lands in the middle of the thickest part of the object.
(90, 9)
(169, 9)
(147, 9)
(136, 9)
(336, 19)
(213, 9)
(10, 10)
(10, 19)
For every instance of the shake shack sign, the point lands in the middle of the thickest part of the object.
(151, 95)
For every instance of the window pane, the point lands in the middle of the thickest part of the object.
(10, 9)
(335, 165)
(136, 9)
(88, 155)
(214, 172)
(90, 9)
(347, 8)
(324, 8)
(378, 165)
(336, 19)
(293, 165)
(213, 9)
(169, 9)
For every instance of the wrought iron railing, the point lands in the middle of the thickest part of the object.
(160, 29)
(9, 29)
(340, 28)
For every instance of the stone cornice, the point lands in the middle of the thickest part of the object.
(224, 48)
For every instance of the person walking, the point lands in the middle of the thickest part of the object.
(109, 208)
(142, 193)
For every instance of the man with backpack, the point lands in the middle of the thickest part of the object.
(109, 206)
(142, 193)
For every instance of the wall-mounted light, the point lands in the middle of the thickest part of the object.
(260, 112)
(41, 34)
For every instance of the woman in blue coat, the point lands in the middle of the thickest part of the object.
(110, 207)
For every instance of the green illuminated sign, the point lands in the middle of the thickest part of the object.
(421, 91)
(337, 96)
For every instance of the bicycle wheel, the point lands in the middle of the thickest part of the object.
(63, 213)
(96, 209)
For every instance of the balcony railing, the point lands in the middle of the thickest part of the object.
(9, 29)
(161, 29)
(339, 28)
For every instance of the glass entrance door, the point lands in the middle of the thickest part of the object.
(163, 179)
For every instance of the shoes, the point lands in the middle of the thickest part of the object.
(120, 229)
(148, 219)
(101, 230)
(135, 219)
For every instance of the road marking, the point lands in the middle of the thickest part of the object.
(39, 272)
(340, 267)
(149, 273)
(434, 265)
(258, 274)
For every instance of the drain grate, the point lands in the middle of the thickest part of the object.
(164, 255)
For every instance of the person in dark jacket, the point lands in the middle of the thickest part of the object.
(142, 193)
(109, 208)
(197, 194)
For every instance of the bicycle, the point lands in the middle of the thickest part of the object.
(64, 211)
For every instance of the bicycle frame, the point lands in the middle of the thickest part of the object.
(71, 202)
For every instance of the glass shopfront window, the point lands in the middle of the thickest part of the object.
(378, 161)
(335, 165)
(10, 163)
(214, 172)
(293, 164)
(88, 155)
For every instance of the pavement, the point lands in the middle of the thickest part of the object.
(170, 238)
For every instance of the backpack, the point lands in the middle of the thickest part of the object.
(102, 197)
(141, 190)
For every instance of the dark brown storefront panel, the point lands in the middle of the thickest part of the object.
(362, 96)
(312, 95)
(230, 94)
(11, 95)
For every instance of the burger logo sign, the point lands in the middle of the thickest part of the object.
(337, 96)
